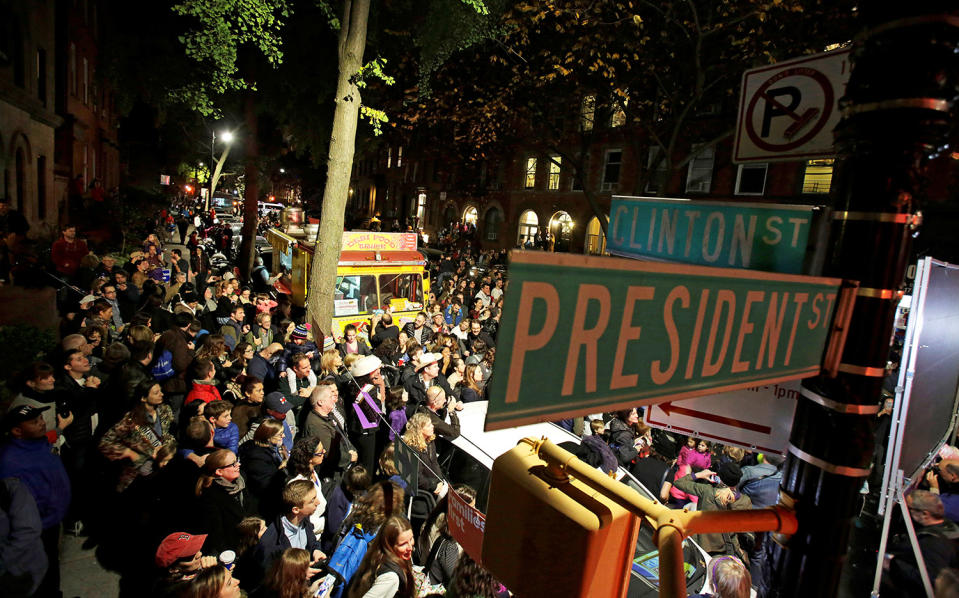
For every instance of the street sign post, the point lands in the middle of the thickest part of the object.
(787, 110)
(770, 237)
(580, 334)
(757, 418)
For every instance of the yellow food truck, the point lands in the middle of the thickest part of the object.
(375, 271)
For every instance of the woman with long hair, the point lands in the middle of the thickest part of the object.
(457, 373)
(470, 389)
(242, 354)
(223, 501)
(386, 570)
(138, 437)
(212, 582)
(420, 436)
(288, 576)
(331, 364)
(263, 459)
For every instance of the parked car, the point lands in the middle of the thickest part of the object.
(470, 461)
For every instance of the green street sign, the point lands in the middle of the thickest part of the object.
(769, 237)
(585, 334)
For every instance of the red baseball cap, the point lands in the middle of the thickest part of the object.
(176, 546)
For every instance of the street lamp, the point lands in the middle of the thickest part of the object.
(226, 137)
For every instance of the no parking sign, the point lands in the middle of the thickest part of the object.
(788, 110)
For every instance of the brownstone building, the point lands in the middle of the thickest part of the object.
(27, 115)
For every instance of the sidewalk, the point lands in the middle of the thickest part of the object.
(82, 575)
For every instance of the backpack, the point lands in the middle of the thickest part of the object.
(163, 368)
(348, 555)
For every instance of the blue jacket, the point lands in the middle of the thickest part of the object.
(23, 562)
(41, 472)
(451, 318)
(228, 437)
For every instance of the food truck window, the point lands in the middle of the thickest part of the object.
(401, 286)
(354, 295)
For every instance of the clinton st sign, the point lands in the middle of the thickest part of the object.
(585, 334)
(769, 237)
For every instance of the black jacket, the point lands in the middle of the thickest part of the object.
(220, 512)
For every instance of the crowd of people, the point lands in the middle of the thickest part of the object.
(199, 434)
(250, 455)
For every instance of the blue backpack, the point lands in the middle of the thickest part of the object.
(348, 555)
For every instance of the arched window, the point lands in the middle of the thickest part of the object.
(595, 239)
(21, 174)
(560, 231)
(528, 225)
(449, 215)
(491, 223)
(470, 216)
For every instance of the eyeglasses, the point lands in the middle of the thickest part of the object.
(234, 464)
(319, 453)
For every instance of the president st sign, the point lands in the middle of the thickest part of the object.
(585, 334)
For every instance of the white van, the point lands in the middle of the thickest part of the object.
(471, 461)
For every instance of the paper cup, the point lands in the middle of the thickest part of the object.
(227, 558)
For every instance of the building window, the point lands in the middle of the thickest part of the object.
(656, 170)
(470, 216)
(578, 180)
(555, 167)
(528, 226)
(420, 209)
(699, 177)
(617, 117)
(42, 75)
(530, 182)
(86, 81)
(491, 223)
(73, 69)
(587, 113)
(389, 157)
(818, 176)
(751, 179)
(42, 187)
(399, 157)
(595, 239)
(611, 168)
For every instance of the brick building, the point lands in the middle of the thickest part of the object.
(529, 190)
(86, 142)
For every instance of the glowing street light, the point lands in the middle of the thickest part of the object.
(227, 138)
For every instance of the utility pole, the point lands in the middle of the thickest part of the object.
(896, 117)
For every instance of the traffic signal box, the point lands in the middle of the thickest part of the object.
(549, 534)
(557, 527)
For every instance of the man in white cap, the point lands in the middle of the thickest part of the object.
(427, 369)
(369, 444)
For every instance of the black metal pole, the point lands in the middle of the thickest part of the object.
(896, 117)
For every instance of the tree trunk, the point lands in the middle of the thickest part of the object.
(352, 42)
(251, 193)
